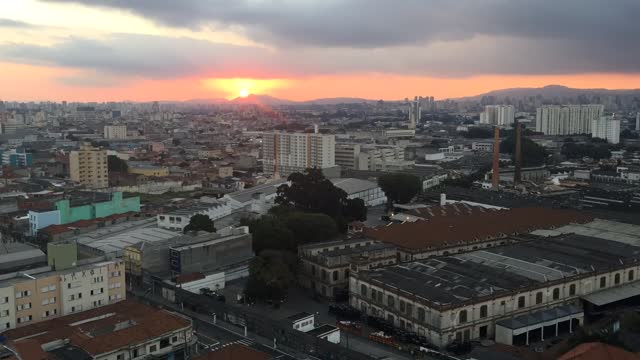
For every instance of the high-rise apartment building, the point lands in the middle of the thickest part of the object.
(88, 166)
(606, 127)
(115, 132)
(638, 121)
(286, 153)
(415, 112)
(567, 120)
(499, 115)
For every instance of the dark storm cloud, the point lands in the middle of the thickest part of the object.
(384, 23)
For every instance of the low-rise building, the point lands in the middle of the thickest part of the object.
(517, 294)
(325, 266)
(124, 331)
(148, 170)
(115, 132)
(368, 191)
(179, 219)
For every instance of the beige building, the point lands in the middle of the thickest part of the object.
(115, 132)
(286, 153)
(88, 166)
(42, 294)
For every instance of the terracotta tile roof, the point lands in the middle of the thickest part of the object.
(186, 278)
(443, 231)
(598, 351)
(30, 350)
(235, 352)
(141, 323)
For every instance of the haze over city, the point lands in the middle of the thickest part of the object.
(92, 50)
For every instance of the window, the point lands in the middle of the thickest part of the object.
(374, 294)
(4, 300)
(164, 343)
(572, 289)
(616, 279)
(120, 357)
(153, 348)
(521, 302)
(630, 276)
(324, 275)
(539, 297)
(462, 317)
(409, 309)
(174, 339)
(402, 306)
(483, 311)
(421, 314)
(4, 313)
(363, 290)
(556, 293)
(313, 270)
(135, 353)
(603, 282)
(346, 273)
(335, 275)
(391, 301)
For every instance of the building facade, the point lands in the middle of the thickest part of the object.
(606, 127)
(499, 115)
(17, 158)
(567, 120)
(88, 166)
(115, 132)
(286, 153)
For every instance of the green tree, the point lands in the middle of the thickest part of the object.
(200, 222)
(478, 133)
(270, 276)
(532, 153)
(399, 188)
(311, 227)
(270, 233)
(116, 164)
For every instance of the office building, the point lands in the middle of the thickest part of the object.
(498, 115)
(115, 132)
(41, 294)
(88, 166)
(638, 121)
(567, 120)
(124, 331)
(17, 158)
(371, 157)
(286, 153)
(606, 127)
(506, 293)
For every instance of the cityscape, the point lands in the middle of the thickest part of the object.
(239, 180)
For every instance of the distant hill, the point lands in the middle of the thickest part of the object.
(273, 101)
(338, 100)
(550, 91)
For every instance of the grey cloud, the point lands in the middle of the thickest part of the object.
(8, 23)
(384, 23)
(129, 55)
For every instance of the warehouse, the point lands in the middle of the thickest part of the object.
(516, 294)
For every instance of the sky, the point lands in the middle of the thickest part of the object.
(145, 50)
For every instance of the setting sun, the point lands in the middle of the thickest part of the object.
(244, 93)
(245, 87)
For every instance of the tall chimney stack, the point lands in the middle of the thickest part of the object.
(517, 176)
(495, 176)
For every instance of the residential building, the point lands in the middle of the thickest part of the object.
(178, 219)
(415, 112)
(325, 266)
(638, 121)
(115, 132)
(505, 293)
(606, 127)
(67, 211)
(498, 115)
(124, 331)
(368, 191)
(88, 166)
(237, 351)
(567, 120)
(371, 157)
(347, 155)
(286, 153)
(16, 158)
(148, 170)
(40, 294)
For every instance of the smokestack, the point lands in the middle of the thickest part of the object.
(495, 176)
(517, 177)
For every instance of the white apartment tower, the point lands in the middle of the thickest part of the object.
(115, 132)
(286, 153)
(499, 115)
(567, 120)
(415, 112)
(606, 127)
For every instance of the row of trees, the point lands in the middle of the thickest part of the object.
(578, 151)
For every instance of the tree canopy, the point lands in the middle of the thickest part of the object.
(312, 192)
(270, 233)
(270, 276)
(200, 222)
(532, 153)
(578, 151)
(400, 188)
(478, 133)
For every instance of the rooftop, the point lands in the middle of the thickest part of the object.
(246, 195)
(322, 330)
(456, 279)
(353, 186)
(444, 231)
(235, 352)
(299, 316)
(116, 238)
(100, 330)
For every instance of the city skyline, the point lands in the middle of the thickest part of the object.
(85, 50)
